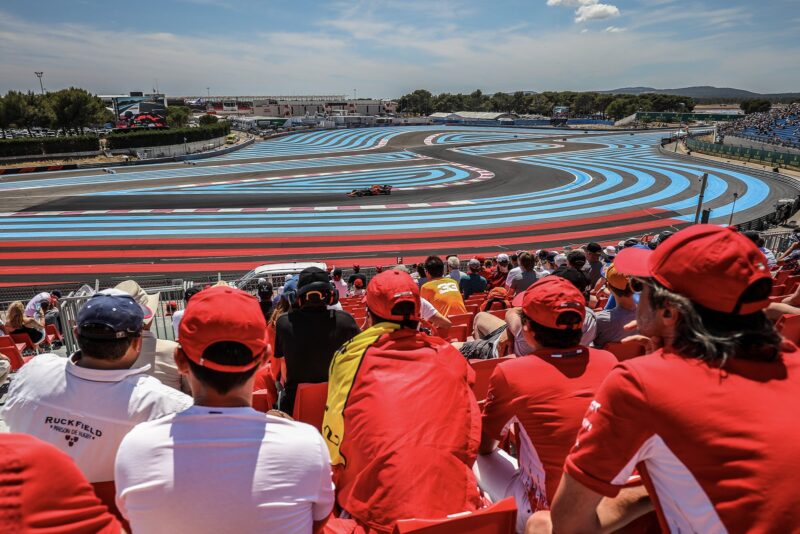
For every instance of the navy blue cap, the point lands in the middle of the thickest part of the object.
(110, 317)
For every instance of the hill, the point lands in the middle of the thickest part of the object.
(708, 93)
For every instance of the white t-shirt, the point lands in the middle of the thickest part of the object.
(426, 309)
(86, 412)
(341, 285)
(212, 470)
(511, 275)
(176, 322)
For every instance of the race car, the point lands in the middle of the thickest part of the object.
(371, 191)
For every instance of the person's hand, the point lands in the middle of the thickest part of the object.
(651, 344)
(282, 415)
(539, 523)
(503, 344)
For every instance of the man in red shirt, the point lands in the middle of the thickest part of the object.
(709, 419)
(546, 392)
(401, 422)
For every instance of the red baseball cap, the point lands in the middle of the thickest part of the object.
(708, 264)
(545, 301)
(223, 313)
(387, 289)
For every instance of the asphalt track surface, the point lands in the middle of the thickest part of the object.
(457, 190)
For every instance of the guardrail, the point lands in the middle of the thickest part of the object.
(765, 157)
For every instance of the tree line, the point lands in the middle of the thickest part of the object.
(423, 102)
(70, 109)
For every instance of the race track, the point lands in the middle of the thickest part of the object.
(466, 190)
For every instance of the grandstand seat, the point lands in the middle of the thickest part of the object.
(106, 492)
(15, 356)
(309, 403)
(499, 518)
(789, 327)
(461, 318)
(472, 308)
(263, 400)
(52, 331)
(457, 332)
(483, 372)
(30, 346)
(8, 341)
(627, 350)
(778, 290)
(791, 283)
(601, 303)
(781, 277)
(500, 314)
(476, 297)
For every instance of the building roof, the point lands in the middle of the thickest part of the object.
(474, 115)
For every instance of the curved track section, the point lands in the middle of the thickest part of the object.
(502, 193)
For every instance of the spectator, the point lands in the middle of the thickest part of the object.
(497, 299)
(498, 276)
(454, 267)
(85, 404)
(514, 260)
(43, 491)
(422, 276)
(53, 315)
(593, 254)
(486, 272)
(559, 260)
(338, 283)
(221, 466)
(426, 310)
(158, 355)
(265, 292)
(17, 322)
(579, 280)
(188, 293)
(473, 282)
(611, 323)
(356, 276)
(443, 293)
(548, 392)
(358, 288)
(308, 336)
(609, 253)
(525, 275)
(756, 238)
(405, 457)
(716, 449)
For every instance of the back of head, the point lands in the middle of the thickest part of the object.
(14, 315)
(223, 336)
(576, 259)
(189, 292)
(553, 310)
(574, 276)
(434, 266)
(393, 296)
(526, 261)
(314, 288)
(453, 262)
(719, 301)
(107, 324)
(474, 265)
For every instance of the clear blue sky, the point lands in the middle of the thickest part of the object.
(385, 48)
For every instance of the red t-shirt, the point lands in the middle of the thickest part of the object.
(43, 491)
(411, 432)
(719, 448)
(548, 393)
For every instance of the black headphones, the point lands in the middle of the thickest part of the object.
(325, 292)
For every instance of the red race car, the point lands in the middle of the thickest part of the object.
(371, 191)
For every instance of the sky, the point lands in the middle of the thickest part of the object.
(386, 48)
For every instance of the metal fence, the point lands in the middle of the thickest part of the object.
(764, 157)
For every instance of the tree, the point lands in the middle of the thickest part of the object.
(419, 102)
(621, 107)
(206, 120)
(583, 104)
(519, 103)
(28, 110)
(756, 105)
(177, 116)
(76, 109)
(5, 122)
(540, 104)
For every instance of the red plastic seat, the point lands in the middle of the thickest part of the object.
(500, 314)
(15, 357)
(26, 339)
(789, 327)
(778, 290)
(8, 341)
(483, 372)
(309, 404)
(500, 518)
(781, 277)
(626, 351)
(51, 330)
(460, 318)
(106, 492)
(458, 332)
(263, 401)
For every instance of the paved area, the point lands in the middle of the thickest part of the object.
(457, 189)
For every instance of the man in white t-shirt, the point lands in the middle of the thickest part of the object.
(221, 466)
(85, 404)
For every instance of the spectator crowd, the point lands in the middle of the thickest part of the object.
(779, 126)
(645, 386)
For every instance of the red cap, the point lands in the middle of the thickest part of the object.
(548, 298)
(387, 289)
(358, 282)
(222, 313)
(707, 264)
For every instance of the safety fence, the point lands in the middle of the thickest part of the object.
(755, 155)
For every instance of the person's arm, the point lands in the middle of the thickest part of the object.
(514, 325)
(440, 321)
(577, 508)
(496, 412)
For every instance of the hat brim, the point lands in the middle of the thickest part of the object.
(151, 306)
(634, 262)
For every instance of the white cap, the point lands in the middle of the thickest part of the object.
(502, 258)
(560, 260)
(610, 251)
